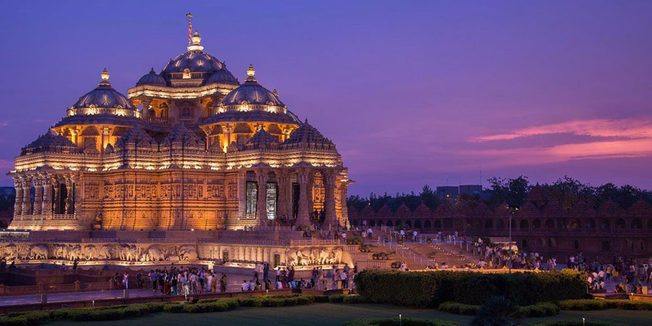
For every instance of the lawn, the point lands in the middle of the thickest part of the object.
(337, 314)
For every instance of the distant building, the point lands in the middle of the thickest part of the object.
(448, 191)
(471, 190)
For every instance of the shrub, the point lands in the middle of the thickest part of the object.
(594, 304)
(354, 299)
(496, 311)
(173, 307)
(432, 288)
(539, 310)
(336, 298)
(25, 318)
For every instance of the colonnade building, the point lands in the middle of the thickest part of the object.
(189, 148)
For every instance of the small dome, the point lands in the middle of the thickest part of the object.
(261, 139)
(252, 93)
(222, 76)
(50, 142)
(308, 135)
(103, 96)
(152, 78)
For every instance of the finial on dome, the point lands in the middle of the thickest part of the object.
(105, 75)
(251, 72)
(195, 42)
(275, 92)
(151, 71)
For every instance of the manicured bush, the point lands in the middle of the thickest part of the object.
(429, 289)
(25, 318)
(395, 322)
(336, 298)
(354, 299)
(539, 310)
(596, 304)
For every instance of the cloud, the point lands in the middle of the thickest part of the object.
(601, 138)
(624, 128)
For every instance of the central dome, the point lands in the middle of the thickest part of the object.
(195, 64)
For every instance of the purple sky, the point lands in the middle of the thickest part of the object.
(412, 92)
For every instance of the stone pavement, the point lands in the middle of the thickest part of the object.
(15, 300)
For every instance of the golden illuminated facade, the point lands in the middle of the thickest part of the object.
(188, 148)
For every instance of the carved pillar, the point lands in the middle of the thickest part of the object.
(38, 195)
(242, 193)
(329, 201)
(281, 184)
(46, 207)
(343, 204)
(27, 203)
(305, 209)
(77, 194)
(18, 204)
(56, 194)
(261, 204)
(69, 196)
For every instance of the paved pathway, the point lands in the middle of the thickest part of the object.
(14, 300)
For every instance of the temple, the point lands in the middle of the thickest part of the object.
(189, 148)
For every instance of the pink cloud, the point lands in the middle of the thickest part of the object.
(626, 138)
(626, 128)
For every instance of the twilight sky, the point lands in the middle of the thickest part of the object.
(412, 92)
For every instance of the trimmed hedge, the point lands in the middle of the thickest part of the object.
(137, 310)
(594, 304)
(349, 299)
(537, 310)
(429, 289)
(403, 322)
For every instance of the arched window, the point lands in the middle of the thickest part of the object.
(636, 224)
(536, 223)
(620, 223)
(489, 224)
(417, 224)
(437, 224)
(524, 225)
(590, 224)
(550, 224)
(427, 224)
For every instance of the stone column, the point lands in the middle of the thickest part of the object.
(242, 193)
(261, 203)
(18, 204)
(56, 194)
(329, 201)
(345, 208)
(27, 203)
(281, 184)
(46, 206)
(69, 195)
(38, 196)
(305, 209)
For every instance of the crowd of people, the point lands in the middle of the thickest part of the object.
(285, 278)
(185, 281)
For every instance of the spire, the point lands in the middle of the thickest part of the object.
(194, 40)
(251, 72)
(189, 19)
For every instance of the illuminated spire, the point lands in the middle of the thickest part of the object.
(189, 19)
(251, 72)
